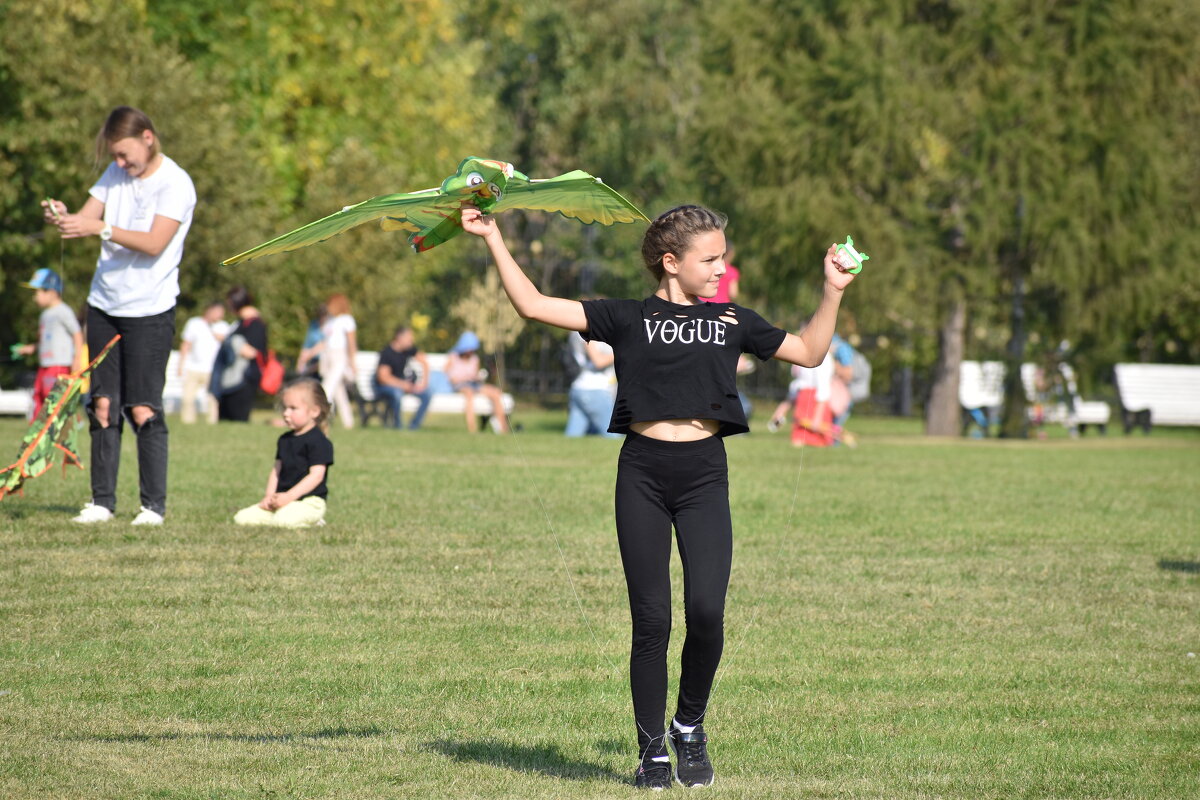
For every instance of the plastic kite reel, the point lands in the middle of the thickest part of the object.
(850, 258)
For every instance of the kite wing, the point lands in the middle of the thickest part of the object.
(55, 430)
(399, 211)
(434, 216)
(576, 194)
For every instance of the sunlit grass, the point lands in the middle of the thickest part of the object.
(914, 618)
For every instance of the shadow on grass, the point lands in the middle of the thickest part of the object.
(546, 759)
(1179, 566)
(259, 738)
(18, 511)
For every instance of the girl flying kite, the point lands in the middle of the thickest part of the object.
(676, 357)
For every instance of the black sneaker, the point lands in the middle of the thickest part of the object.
(654, 775)
(692, 767)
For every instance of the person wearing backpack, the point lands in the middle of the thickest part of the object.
(841, 398)
(593, 389)
(236, 373)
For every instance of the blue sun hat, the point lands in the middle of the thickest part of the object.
(46, 278)
(467, 342)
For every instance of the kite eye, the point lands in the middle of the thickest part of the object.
(474, 179)
(495, 190)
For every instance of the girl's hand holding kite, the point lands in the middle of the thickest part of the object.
(528, 301)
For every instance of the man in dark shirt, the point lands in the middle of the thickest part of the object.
(396, 377)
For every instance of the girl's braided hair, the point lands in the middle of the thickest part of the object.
(673, 232)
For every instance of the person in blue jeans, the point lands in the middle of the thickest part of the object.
(394, 377)
(593, 392)
(843, 370)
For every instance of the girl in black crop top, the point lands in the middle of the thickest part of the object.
(676, 358)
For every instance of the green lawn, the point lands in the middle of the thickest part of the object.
(913, 618)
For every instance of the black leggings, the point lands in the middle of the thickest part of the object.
(685, 484)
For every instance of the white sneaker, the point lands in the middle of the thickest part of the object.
(147, 517)
(93, 513)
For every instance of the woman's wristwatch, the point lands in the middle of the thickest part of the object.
(106, 232)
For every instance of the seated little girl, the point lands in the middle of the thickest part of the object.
(296, 491)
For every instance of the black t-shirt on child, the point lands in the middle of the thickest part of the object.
(297, 454)
(678, 361)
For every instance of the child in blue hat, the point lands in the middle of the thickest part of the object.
(60, 341)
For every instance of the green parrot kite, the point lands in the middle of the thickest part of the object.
(434, 216)
(54, 432)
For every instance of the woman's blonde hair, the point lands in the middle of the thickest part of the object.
(316, 396)
(673, 232)
(123, 122)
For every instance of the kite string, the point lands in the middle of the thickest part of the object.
(723, 669)
(574, 590)
(562, 555)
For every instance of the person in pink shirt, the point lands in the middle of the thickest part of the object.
(463, 371)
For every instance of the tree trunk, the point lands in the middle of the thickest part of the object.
(943, 417)
(1014, 424)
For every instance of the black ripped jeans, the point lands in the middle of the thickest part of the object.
(132, 374)
(684, 485)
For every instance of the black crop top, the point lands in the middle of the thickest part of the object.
(679, 362)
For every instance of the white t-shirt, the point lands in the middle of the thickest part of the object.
(128, 283)
(336, 330)
(590, 376)
(819, 378)
(204, 343)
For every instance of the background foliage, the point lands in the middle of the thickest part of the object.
(920, 127)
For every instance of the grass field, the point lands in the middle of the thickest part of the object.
(914, 618)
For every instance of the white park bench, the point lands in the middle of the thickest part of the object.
(16, 402)
(981, 394)
(369, 405)
(1158, 394)
(444, 401)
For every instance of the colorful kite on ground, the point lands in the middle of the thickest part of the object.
(434, 216)
(55, 430)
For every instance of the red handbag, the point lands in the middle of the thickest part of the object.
(271, 371)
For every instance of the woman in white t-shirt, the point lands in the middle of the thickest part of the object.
(338, 349)
(141, 209)
(202, 337)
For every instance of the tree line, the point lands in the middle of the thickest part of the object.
(983, 153)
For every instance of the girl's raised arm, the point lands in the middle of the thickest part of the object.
(809, 348)
(525, 297)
